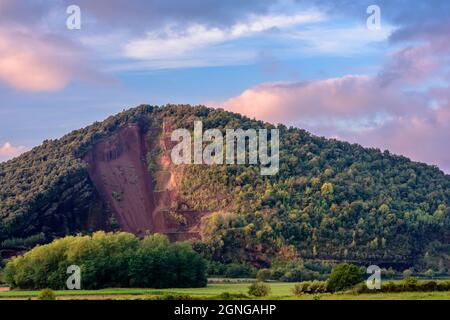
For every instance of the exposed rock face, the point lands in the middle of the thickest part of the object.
(141, 201)
(117, 168)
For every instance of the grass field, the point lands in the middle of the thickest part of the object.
(279, 290)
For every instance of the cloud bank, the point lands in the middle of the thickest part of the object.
(405, 107)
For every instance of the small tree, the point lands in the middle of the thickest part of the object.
(344, 276)
(259, 289)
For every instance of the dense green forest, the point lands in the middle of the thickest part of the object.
(330, 201)
(108, 260)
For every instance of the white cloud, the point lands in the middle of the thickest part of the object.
(173, 42)
(339, 40)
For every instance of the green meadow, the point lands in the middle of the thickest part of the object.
(279, 291)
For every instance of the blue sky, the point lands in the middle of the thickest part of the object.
(312, 64)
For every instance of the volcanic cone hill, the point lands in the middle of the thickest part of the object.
(330, 200)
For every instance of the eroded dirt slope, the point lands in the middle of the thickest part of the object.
(139, 201)
(117, 168)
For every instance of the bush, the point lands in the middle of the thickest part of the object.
(301, 288)
(443, 285)
(108, 260)
(428, 286)
(264, 274)
(318, 287)
(259, 289)
(409, 284)
(360, 288)
(390, 286)
(344, 276)
(310, 287)
(46, 294)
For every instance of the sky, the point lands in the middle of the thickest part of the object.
(332, 67)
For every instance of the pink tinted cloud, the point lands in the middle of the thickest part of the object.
(8, 151)
(31, 61)
(400, 122)
(381, 111)
(351, 96)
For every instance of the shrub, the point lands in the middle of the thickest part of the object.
(443, 285)
(409, 284)
(360, 288)
(344, 276)
(259, 289)
(318, 287)
(310, 287)
(390, 286)
(46, 294)
(428, 286)
(300, 288)
(264, 274)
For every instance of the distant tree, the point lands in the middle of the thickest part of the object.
(407, 273)
(327, 189)
(239, 270)
(344, 276)
(429, 273)
(263, 274)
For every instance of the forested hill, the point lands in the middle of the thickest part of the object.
(330, 200)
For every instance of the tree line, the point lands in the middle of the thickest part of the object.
(108, 260)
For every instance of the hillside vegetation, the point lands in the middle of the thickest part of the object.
(108, 260)
(330, 200)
